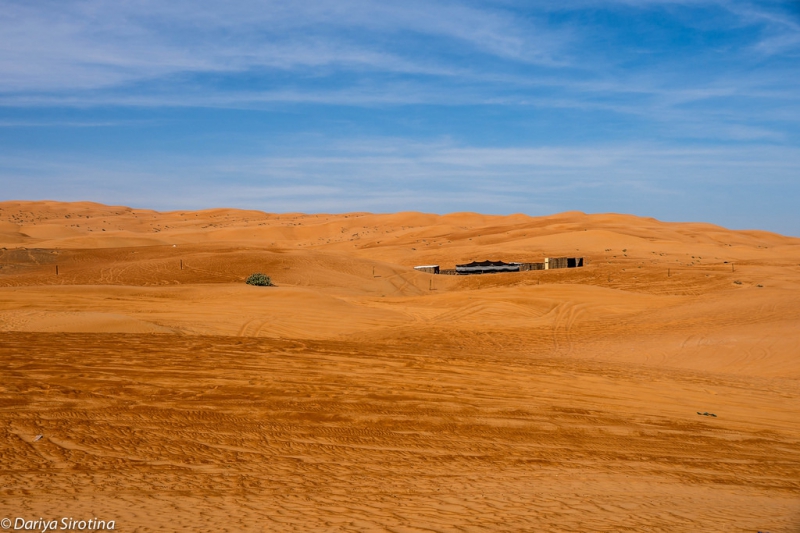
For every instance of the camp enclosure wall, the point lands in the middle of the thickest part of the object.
(553, 262)
(491, 267)
(562, 262)
(524, 267)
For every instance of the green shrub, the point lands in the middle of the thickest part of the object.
(259, 280)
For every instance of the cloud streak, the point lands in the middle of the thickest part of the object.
(393, 174)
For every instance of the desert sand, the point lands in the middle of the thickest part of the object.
(360, 395)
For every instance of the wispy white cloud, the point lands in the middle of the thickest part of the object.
(94, 44)
(695, 95)
(365, 53)
(71, 123)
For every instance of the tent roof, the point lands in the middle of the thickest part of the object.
(487, 263)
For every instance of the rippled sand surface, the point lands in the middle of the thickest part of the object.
(360, 395)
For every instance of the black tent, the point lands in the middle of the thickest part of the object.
(486, 267)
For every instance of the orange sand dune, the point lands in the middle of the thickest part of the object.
(361, 395)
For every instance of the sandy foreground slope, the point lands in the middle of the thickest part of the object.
(361, 395)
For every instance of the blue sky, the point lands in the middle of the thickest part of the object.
(680, 110)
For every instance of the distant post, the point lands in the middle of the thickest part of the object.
(56, 270)
(181, 264)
